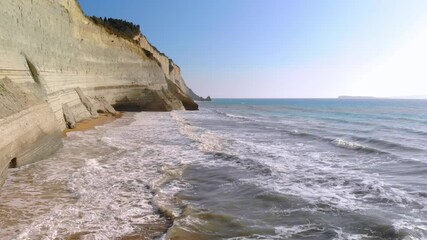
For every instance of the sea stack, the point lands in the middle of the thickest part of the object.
(59, 67)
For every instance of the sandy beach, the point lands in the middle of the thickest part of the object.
(88, 124)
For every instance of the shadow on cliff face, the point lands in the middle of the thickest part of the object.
(186, 100)
(150, 100)
(157, 101)
(127, 105)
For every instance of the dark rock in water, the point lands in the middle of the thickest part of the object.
(208, 99)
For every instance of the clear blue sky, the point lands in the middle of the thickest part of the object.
(286, 48)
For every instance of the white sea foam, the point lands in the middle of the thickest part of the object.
(327, 181)
(208, 141)
(351, 236)
(103, 184)
(92, 162)
(289, 231)
(420, 229)
(108, 181)
(347, 144)
(237, 116)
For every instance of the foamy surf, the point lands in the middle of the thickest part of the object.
(326, 174)
(208, 175)
(104, 184)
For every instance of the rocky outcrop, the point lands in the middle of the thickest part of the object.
(88, 104)
(102, 106)
(57, 67)
(207, 99)
(70, 120)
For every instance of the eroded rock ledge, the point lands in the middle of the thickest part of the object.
(57, 67)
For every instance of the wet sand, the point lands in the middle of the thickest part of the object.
(149, 231)
(92, 123)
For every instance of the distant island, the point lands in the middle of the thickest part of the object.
(356, 97)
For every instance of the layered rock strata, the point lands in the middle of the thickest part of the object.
(28, 127)
(57, 67)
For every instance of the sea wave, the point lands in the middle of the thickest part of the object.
(338, 142)
(208, 141)
(367, 145)
(166, 187)
(384, 144)
(346, 121)
(235, 116)
(305, 164)
(290, 231)
(322, 180)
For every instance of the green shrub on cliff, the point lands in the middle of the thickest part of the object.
(118, 27)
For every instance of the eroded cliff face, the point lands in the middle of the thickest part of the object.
(28, 126)
(172, 73)
(54, 60)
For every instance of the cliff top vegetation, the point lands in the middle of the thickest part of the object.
(122, 28)
(126, 30)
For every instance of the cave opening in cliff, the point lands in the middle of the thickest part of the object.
(13, 163)
(128, 107)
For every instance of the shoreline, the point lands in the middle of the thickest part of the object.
(150, 230)
(88, 124)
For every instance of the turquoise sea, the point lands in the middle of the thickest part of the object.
(236, 169)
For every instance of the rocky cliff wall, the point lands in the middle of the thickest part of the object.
(170, 69)
(55, 58)
(28, 127)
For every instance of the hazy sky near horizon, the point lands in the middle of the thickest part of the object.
(286, 48)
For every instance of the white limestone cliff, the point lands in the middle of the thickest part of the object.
(53, 58)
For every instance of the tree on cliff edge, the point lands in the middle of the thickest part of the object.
(119, 27)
